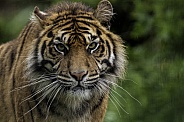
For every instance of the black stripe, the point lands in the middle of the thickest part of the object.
(23, 119)
(83, 28)
(12, 97)
(54, 26)
(112, 41)
(50, 34)
(85, 17)
(65, 33)
(96, 60)
(3, 94)
(27, 26)
(36, 100)
(98, 104)
(66, 76)
(85, 32)
(43, 48)
(37, 46)
(112, 70)
(61, 18)
(92, 79)
(23, 41)
(68, 28)
(109, 48)
(93, 74)
(57, 20)
(31, 112)
(102, 51)
(106, 61)
(43, 68)
(12, 59)
(98, 32)
(65, 24)
(87, 23)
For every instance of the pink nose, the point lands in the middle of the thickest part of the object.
(78, 75)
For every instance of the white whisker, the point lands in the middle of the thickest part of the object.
(56, 93)
(115, 106)
(35, 105)
(127, 92)
(122, 89)
(38, 91)
(34, 82)
(119, 103)
(131, 81)
(113, 75)
(116, 92)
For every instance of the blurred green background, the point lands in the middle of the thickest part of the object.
(153, 31)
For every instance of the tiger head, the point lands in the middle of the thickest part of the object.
(75, 55)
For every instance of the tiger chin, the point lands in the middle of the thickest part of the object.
(62, 66)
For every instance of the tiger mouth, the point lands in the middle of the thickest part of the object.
(74, 86)
(78, 88)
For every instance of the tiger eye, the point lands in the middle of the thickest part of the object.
(93, 45)
(60, 48)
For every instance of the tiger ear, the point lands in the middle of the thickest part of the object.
(104, 11)
(39, 16)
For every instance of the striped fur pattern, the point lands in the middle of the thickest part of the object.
(58, 69)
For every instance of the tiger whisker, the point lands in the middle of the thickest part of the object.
(118, 103)
(38, 91)
(52, 93)
(62, 89)
(46, 90)
(126, 92)
(58, 89)
(24, 86)
(113, 75)
(115, 106)
(35, 105)
(116, 93)
(119, 95)
(41, 99)
(116, 100)
(33, 82)
(46, 78)
(131, 80)
(119, 77)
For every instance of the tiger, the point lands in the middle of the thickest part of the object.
(62, 66)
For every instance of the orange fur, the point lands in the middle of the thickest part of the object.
(56, 70)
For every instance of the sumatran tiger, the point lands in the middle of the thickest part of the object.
(62, 66)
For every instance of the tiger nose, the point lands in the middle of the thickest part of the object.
(78, 75)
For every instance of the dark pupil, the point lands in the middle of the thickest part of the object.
(93, 45)
(60, 47)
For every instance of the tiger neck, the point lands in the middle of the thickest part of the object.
(90, 111)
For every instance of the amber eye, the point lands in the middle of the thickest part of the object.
(61, 48)
(92, 47)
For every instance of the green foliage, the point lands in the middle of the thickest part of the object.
(157, 65)
(155, 71)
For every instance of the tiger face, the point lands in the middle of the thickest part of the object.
(78, 56)
(74, 55)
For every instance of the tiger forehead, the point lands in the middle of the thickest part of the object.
(67, 15)
(75, 30)
(72, 38)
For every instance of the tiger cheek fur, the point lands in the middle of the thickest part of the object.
(62, 66)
